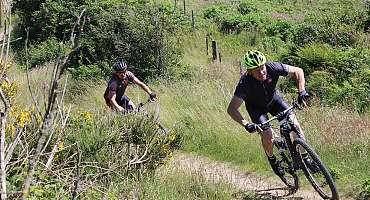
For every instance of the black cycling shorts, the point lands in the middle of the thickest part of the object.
(258, 115)
(125, 102)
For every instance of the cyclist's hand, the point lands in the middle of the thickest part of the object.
(152, 96)
(250, 127)
(303, 96)
(120, 109)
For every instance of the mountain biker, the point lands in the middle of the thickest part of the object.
(114, 93)
(257, 88)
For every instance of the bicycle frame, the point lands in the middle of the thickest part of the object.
(287, 126)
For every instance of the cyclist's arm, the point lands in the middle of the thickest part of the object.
(298, 74)
(113, 102)
(142, 85)
(233, 111)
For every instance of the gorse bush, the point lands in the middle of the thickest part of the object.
(111, 147)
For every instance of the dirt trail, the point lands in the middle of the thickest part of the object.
(266, 188)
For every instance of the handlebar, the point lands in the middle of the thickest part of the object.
(281, 115)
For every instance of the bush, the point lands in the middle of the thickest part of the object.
(337, 29)
(139, 32)
(216, 12)
(44, 52)
(251, 22)
(365, 189)
(337, 76)
(246, 7)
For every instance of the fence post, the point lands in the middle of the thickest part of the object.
(175, 3)
(219, 57)
(184, 7)
(207, 43)
(192, 19)
(214, 50)
(241, 69)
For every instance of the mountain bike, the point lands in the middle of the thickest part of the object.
(294, 153)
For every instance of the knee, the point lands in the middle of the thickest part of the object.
(267, 135)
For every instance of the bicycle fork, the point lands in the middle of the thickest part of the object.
(285, 130)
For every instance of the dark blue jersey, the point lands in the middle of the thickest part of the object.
(261, 93)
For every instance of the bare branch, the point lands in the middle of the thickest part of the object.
(49, 113)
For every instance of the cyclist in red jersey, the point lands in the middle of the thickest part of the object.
(114, 93)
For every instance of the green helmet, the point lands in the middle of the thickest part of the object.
(254, 59)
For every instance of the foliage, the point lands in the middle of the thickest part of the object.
(337, 76)
(365, 189)
(140, 32)
(44, 52)
(116, 140)
(246, 7)
(216, 12)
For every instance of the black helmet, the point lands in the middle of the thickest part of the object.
(120, 65)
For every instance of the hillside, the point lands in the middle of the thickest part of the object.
(89, 152)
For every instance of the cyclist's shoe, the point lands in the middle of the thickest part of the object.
(277, 168)
(311, 165)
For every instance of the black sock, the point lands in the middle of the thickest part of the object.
(272, 159)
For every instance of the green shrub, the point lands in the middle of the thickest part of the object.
(281, 28)
(365, 189)
(337, 76)
(216, 12)
(44, 52)
(251, 22)
(246, 7)
(334, 29)
(140, 32)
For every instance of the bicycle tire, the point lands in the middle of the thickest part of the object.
(290, 178)
(312, 176)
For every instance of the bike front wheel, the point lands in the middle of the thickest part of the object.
(290, 178)
(315, 171)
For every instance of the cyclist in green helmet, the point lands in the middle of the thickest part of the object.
(257, 88)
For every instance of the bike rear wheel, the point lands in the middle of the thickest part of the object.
(290, 178)
(318, 175)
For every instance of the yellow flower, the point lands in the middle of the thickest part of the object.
(23, 119)
(10, 90)
(8, 64)
(87, 117)
(13, 111)
(60, 145)
(171, 137)
(10, 128)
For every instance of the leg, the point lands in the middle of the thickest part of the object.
(297, 125)
(126, 103)
(259, 115)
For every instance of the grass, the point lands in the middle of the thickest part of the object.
(198, 106)
(175, 184)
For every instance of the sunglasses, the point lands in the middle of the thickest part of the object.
(120, 72)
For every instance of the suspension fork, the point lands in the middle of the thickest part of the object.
(285, 130)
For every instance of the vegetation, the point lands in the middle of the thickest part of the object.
(108, 156)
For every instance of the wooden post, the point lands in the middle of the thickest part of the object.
(1, 14)
(219, 56)
(207, 44)
(184, 7)
(241, 69)
(214, 50)
(192, 19)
